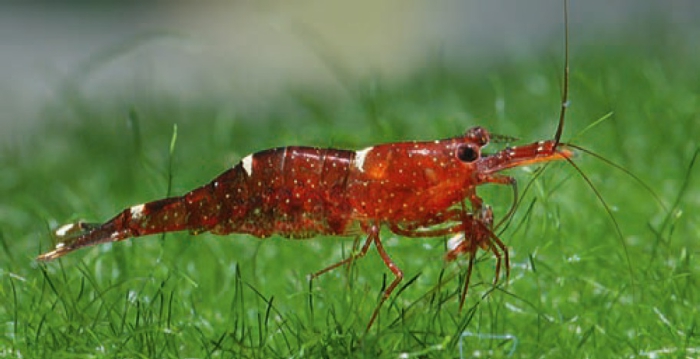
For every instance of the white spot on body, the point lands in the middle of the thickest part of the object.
(540, 146)
(455, 241)
(61, 232)
(247, 163)
(360, 156)
(136, 212)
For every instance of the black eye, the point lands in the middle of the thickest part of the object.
(467, 153)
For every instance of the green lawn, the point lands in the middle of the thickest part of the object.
(577, 288)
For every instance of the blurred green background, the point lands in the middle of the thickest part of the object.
(92, 97)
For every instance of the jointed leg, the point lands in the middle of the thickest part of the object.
(463, 297)
(478, 233)
(373, 236)
(350, 259)
(419, 231)
(497, 245)
(394, 269)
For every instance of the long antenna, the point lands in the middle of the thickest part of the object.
(565, 91)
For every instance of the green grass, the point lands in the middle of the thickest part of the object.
(576, 289)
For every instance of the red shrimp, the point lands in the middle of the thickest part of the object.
(416, 189)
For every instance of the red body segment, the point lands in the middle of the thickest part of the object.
(295, 192)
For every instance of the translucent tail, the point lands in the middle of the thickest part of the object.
(190, 212)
